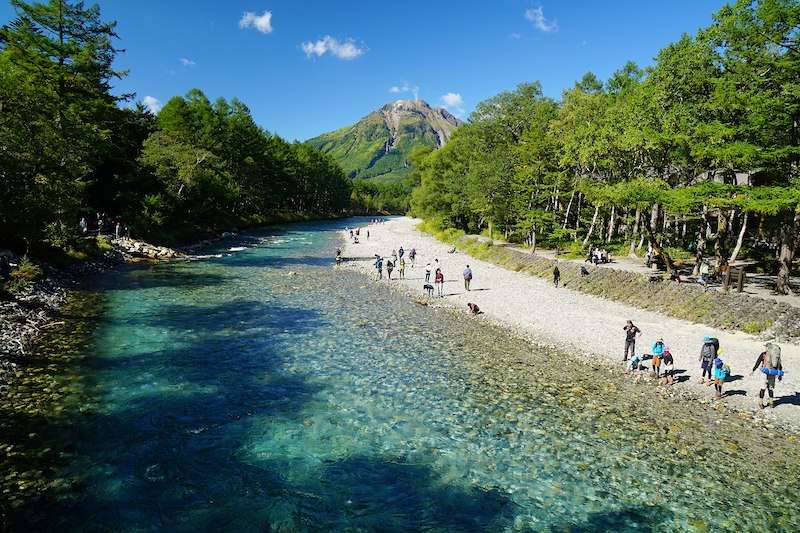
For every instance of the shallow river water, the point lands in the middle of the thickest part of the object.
(229, 394)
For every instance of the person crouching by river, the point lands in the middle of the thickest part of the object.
(631, 332)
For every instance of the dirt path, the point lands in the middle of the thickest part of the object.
(574, 321)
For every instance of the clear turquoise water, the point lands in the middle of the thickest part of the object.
(227, 394)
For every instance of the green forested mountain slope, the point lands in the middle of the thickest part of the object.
(378, 145)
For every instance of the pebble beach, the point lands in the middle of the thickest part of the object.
(586, 326)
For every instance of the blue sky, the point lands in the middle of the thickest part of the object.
(298, 83)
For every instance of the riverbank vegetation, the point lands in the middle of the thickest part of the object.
(72, 148)
(696, 155)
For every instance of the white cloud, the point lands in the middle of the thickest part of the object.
(454, 103)
(262, 22)
(186, 62)
(536, 15)
(516, 36)
(346, 50)
(405, 88)
(152, 103)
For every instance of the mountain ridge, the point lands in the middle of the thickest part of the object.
(378, 145)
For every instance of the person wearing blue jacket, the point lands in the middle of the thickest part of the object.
(720, 376)
(658, 355)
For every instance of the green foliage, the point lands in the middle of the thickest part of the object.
(67, 150)
(26, 273)
(676, 153)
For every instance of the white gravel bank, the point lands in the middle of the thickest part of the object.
(576, 321)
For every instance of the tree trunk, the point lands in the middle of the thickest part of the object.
(788, 235)
(569, 207)
(491, 234)
(656, 246)
(612, 221)
(533, 240)
(632, 252)
(720, 244)
(739, 241)
(578, 215)
(591, 227)
(702, 242)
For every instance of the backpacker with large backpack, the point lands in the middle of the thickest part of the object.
(772, 361)
(710, 349)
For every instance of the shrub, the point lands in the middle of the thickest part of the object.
(24, 275)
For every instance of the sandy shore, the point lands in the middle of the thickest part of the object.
(586, 325)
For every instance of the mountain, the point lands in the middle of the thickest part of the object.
(378, 145)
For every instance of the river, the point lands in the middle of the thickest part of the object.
(264, 390)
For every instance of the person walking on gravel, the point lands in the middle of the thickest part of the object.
(556, 275)
(438, 280)
(467, 277)
(401, 268)
(631, 332)
(708, 353)
(389, 268)
(379, 266)
(428, 273)
(771, 367)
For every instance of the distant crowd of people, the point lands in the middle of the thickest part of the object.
(101, 224)
(714, 370)
(400, 259)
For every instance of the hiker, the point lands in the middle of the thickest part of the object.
(669, 367)
(379, 266)
(708, 353)
(590, 255)
(338, 255)
(351, 235)
(770, 362)
(721, 373)
(556, 275)
(428, 289)
(389, 268)
(367, 234)
(473, 309)
(116, 230)
(703, 279)
(402, 268)
(394, 256)
(636, 362)
(412, 255)
(631, 332)
(438, 280)
(83, 225)
(400, 252)
(467, 277)
(658, 353)
(584, 271)
(428, 272)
